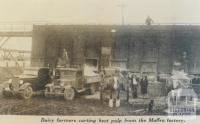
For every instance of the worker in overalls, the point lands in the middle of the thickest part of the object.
(115, 91)
(134, 86)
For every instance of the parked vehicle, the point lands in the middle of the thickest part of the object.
(68, 82)
(32, 81)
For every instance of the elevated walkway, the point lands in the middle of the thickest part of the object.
(15, 33)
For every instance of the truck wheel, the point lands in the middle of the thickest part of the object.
(69, 94)
(27, 93)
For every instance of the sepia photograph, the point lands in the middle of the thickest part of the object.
(100, 58)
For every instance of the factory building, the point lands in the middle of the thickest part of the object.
(155, 49)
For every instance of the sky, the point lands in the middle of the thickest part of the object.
(96, 12)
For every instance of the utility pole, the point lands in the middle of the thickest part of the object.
(122, 6)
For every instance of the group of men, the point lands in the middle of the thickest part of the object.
(128, 82)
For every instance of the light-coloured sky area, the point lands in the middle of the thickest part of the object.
(96, 12)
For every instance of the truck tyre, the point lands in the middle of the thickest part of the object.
(69, 94)
(27, 93)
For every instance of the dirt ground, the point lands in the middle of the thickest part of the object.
(82, 105)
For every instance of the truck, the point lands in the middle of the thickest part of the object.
(68, 82)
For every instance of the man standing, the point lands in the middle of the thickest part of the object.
(129, 79)
(148, 21)
(102, 73)
(63, 61)
(115, 91)
(134, 86)
(144, 85)
(65, 57)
